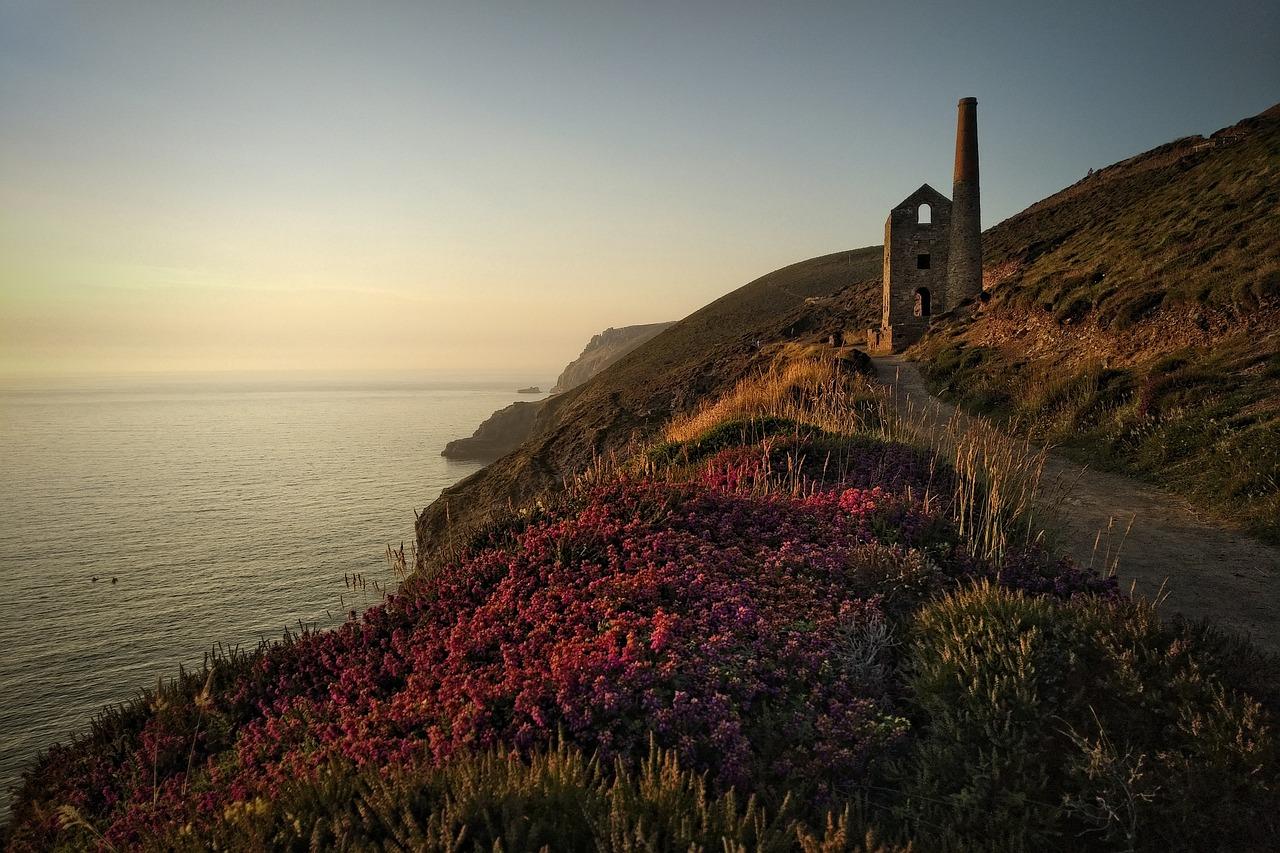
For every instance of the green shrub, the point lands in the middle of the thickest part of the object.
(1084, 724)
(1114, 387)
(978, 767)
(988, 400)
(1129, 314)
(1074, 311)
(1272, 369)
(1171, 363)
(1250, 293)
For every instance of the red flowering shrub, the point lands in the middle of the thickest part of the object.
(746, 628)
(709, 617)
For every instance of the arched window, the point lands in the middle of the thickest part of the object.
(924, 215)
(923, 308)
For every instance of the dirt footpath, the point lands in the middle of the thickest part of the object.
(1202, 570)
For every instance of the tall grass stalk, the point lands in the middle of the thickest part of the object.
(997, 499)
(998, 493)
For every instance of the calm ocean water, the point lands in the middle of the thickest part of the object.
(225, 514)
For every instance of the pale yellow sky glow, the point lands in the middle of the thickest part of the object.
(461, 187)
(88, 291)
(143, 278)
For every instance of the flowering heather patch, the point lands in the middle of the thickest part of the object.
(809, 458)
(713, 618)
(771, 602)
(736, 606)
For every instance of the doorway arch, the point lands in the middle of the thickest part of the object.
(924, 303)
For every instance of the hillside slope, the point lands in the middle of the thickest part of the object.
(507, 428)
(498, 434)
(700, 355)
(780, 632)
(603, 350)
(1134, 318)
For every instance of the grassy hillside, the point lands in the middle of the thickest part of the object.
(1134, 318)
(702, 354)
(603, 350)
(771, 628)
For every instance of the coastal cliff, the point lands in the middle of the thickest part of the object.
(700, 356)
(504, 430)
(499, 434)
(603, 350)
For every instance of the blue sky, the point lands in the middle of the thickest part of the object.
(365, 186)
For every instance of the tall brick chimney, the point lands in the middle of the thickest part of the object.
(964, 270)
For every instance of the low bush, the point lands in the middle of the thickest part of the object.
(1081, 723)
(802, 457)
(736, 432)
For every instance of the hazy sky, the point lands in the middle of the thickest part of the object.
(481, 186)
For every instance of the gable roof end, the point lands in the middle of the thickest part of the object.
(925, 195)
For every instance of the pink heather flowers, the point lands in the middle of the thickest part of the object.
(698, 613)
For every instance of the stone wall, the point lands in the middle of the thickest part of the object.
(931, 266)
(915, 269)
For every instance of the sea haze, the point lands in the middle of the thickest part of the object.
(226, 512)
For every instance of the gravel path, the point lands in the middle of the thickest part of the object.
(1202, 570)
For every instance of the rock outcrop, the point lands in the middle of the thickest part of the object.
(500, 433)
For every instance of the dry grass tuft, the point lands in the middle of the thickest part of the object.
(812, 390)
(999, 493)
(995, 501)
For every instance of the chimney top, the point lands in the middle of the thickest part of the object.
(964, 101)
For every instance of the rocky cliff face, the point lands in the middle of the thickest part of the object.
(603, 350)
(505, 429)
(500, 433)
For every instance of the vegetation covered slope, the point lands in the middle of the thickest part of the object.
(603, 350)
(498, 434)
(702, 354)
(780, 621)
(765, 632)
(1135, 319)
(508, 428)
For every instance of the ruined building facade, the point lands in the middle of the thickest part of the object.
(932, 248)
(917, 244)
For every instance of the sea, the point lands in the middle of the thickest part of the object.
(143, 524)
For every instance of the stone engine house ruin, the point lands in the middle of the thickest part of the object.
(932, 248)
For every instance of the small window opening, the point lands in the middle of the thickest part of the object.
(922, 261)
(924, 215)
(923, 308)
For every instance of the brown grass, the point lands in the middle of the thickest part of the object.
(798, 386)
(999, 489)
